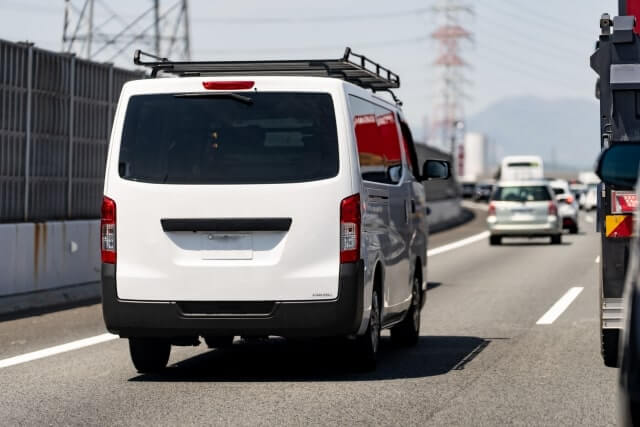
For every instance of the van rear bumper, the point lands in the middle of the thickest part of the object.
(341, 316)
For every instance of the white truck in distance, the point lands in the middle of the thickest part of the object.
(519, 168)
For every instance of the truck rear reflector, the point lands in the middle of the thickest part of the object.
(618, 226)
(623, 202)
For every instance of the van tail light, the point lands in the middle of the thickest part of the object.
(492, 209)
(553, 209)
(350, 229)
(108, 231)
(570, 199)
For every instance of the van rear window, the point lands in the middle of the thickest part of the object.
(227, 138)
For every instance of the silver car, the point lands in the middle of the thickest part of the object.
(523, 209)
(568, 207)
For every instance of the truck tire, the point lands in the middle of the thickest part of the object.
(609, 340)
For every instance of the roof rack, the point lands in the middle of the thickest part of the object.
(352, 67)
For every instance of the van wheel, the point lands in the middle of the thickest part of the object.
(149, 355)
(574, 229)
(219, 342)
(556, 239)
(495, 240)
(366, 346)
(407, 332)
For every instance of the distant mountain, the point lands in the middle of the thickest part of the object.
(564, 132)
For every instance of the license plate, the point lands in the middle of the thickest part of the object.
(518, 211)
(523, 218)
(226, 246)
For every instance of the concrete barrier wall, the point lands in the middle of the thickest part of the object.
(48, 255)
(443, 212)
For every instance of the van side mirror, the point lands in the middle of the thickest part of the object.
(618, 165)
(435, 169)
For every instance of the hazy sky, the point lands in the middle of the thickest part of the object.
(538, 48)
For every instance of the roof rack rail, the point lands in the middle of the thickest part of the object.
(352, 67)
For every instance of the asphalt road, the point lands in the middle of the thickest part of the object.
(482, 359)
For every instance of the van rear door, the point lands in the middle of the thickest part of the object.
(228, 197)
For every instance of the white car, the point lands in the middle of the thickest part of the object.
(523, 209)
(589, 200)
(243, 204)
(568, 207)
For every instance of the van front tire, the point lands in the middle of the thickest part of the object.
(149, 355)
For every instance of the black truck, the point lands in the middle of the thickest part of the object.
(617, 62)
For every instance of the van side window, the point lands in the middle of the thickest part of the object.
(376, 132)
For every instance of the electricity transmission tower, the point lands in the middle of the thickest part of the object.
(448, 104)
(94, 30)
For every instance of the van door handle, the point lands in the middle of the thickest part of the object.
(413, 206)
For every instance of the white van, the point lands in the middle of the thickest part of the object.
(243, 204)
(518, 168)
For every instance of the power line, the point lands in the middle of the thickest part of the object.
(325, 18)
(367, 44)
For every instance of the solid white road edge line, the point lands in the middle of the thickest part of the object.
(598, 259)
(51, 351)
(560, 306)
(74, 345)
(458, 244)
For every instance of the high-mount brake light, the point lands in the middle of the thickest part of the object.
(228, 85)
(553, 209)
(108, 231)
(492, 209)
(350, 229)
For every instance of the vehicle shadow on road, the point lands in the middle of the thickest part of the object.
(282, 360)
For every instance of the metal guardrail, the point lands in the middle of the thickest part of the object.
(55, 119)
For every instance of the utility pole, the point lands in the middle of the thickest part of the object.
(156, 26)
(448, 111)
(161, 27)
(90, 30)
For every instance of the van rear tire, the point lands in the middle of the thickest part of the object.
(149, 355)
(495, 240)
(556, 239)
(407, 332)
(366, 345)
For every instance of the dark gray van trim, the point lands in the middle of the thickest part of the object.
(339, 317)
(226, 224)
